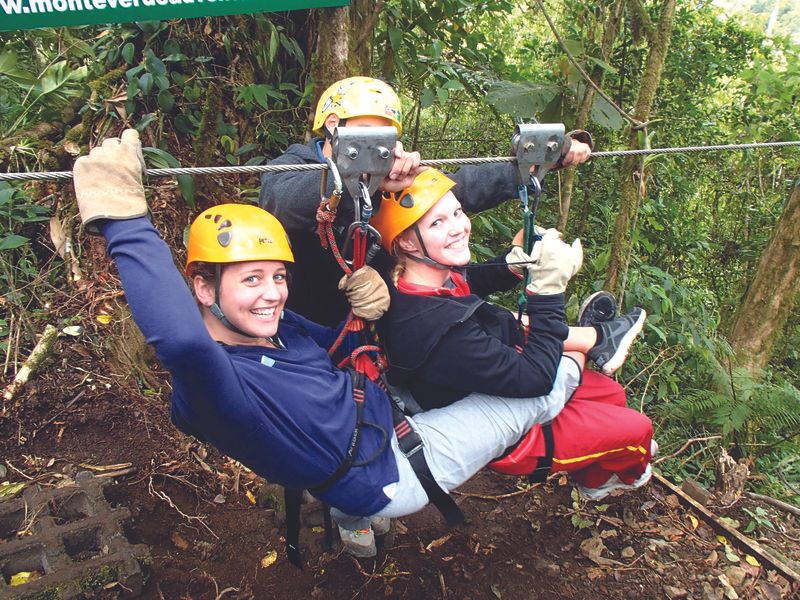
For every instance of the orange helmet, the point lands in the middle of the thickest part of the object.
(230, 233)
(359, 97)
(400, 211)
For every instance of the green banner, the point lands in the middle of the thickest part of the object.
(30, 14)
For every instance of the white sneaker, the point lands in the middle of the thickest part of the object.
(358, 542)
(615, 483)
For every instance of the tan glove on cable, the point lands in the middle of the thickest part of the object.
(516, 258)
(108, 182)
(555, 262)
(366, 292)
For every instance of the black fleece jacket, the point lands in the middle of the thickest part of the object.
(444, 348)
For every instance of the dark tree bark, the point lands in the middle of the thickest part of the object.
(632, 177)
(609, 35)
(772, 294)
(344, 42)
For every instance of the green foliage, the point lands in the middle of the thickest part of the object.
(759, 518)
(736, 403)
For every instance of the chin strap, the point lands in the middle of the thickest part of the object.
(425, 259)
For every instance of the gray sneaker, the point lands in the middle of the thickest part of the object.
(358, 542)
(617, 337)
(597, 308)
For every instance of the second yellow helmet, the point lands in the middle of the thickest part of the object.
(359, 97)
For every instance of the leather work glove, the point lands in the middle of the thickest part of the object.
(555, 264)
(108, 182)
(366, 292)
(518, 255)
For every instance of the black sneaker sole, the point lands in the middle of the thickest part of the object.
(586, 304)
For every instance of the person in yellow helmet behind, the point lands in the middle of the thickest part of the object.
(293, 197)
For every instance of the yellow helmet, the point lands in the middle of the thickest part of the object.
(400, 211)
(359, 97)
(230, 233)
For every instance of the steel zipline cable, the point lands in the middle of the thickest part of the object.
(441, 162)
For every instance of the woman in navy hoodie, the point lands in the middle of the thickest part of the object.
(255, 380)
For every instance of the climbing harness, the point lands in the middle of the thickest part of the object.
(439, 162)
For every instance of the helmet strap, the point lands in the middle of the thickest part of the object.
(215, 308)
(328, 133)
(425, 258)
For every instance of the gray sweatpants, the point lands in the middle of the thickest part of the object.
(464, 437)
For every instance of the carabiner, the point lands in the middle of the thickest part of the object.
(332, 201)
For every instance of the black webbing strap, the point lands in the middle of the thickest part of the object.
(545, 463)
(292, 498)
(355, 440)
(411, 446)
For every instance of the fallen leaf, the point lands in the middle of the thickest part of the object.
(593, 547)
(269, 559)
(674, 593)
(771, 591)
(730, 554)
(730, 522)
(628, 552)
(219, 499)
(713, 558)
(730, 593)
(72, 147)
(72, 330)
(317, 529)
(752, 560)
(9, 490)
(496, 591)
(104, 319)
(250, 496)
(57, 233)
(694, 521)
(438, 542)
(607, 533)
(595, 573)
(23, 577)
(180, 543)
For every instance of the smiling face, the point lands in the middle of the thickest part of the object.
(445, 230)
(252, 295)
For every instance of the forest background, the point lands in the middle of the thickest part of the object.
(706, 242)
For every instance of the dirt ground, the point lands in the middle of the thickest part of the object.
(214, 530)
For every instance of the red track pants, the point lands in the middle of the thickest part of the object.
(594, 436)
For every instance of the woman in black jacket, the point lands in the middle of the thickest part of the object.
(445, 342)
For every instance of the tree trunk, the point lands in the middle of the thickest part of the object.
(609, 35)
(772, 294)
(344, 45)
(631, 176)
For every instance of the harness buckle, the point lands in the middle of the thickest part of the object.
(414, 450)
